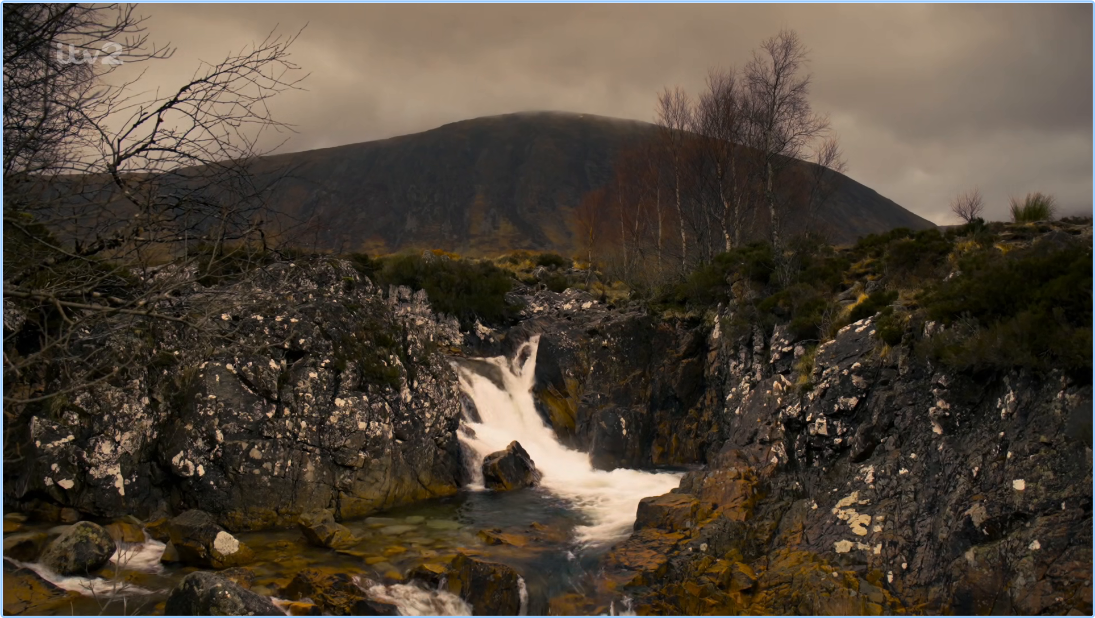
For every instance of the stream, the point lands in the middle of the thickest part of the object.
(553, 534)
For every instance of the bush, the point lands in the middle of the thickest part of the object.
(919, 257)
(710, 284)
(1034, 207)
(804, 367)
(890, 327)
(465, 289)
(556, 282)
(1030, 308)
(977, 230)
(871, 305)
(552, 260)
(803, 306)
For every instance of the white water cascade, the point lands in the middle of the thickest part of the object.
(607, 499)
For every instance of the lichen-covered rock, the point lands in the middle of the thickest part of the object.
(510, 469)
(321, 530)
(884, 486)
(492, 589)
(307, 388)
(208, 594)
(199, 541)
(82, 549)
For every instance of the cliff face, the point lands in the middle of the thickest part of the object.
(890, 486)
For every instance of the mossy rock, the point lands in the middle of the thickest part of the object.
(82, 549)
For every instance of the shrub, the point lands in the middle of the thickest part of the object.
(804, 367)
(890, 327)
(871, 305)
(1030, 308)
(802, 305)
(552, 260)
(1034, 207)
(365, 265)
(464, 289)
(556, 282)
(874, 245)
(710, 283)
(921, 256)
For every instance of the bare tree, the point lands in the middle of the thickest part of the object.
(589, 219)
(117, 200)
(968, 206)
(674, 116)
(722, 123)
(783, 123)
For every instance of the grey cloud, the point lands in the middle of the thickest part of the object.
(928, 99)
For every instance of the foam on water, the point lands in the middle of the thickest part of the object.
(607, 499)
(127, 557)
(414, 601)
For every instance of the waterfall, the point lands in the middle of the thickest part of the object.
(607, 499)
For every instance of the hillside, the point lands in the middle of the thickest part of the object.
(492, 184)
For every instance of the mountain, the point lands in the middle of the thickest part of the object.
(491, 184)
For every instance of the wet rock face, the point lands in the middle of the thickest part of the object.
(616, 383)
(25, 592)
(322, 393)
(510, 469)
(82, 549)
(321, 530)
(208, 594)
(492, 589)
(336, 594)
(199, 541)
(24, 546)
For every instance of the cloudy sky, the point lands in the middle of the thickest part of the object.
(928, 100)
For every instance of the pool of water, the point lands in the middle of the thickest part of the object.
(531, 529)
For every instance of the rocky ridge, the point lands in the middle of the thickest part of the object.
(332, 395)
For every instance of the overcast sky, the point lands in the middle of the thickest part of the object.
(928, 100)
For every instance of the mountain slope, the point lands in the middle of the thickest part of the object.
(492, 184)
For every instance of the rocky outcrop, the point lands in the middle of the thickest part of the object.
(82, 549)
(208, 594)
(617, 383)
(510, 469)
(306, 388)
(198, 541)
(321, 530)
(24, 546)
(492, 589)
(875, 483)
(25, 592)
(336, 594)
